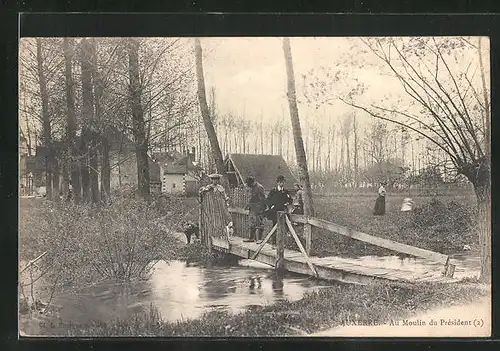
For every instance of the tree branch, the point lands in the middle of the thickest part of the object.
(371, 113)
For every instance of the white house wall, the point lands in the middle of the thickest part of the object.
(173, 184)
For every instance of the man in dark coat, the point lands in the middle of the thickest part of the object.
(277, 200)
(256, 206)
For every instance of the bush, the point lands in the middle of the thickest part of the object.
(87, 243)
(449, 225)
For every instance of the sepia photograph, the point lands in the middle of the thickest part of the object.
(254, 187)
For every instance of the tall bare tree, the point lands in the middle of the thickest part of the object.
(102, 129)
(205, 112)
(71, 125)
(297, 132)
(90, 122)
(447, 98)
(138, 124)
(46, 125)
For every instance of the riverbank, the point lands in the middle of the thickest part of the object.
(105, 238)
(319, 310)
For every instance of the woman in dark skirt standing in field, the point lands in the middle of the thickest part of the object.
(380, 202)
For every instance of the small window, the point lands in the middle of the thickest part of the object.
(173, 186)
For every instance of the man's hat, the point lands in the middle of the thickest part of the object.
(280, 178)
(215, 176)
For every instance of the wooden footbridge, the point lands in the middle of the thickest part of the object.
(214, 215)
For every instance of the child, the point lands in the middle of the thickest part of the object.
(407, 205)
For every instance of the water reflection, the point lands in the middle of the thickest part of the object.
(277, 285)
(180, 290)
(466, 265)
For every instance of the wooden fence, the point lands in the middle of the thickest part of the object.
(239, 198)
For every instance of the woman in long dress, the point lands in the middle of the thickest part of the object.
(380, 202)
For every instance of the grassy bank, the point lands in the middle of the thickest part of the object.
(443, 224)
(326, 308)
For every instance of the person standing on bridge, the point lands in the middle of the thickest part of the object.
(256, 207)
(277, 200)
(298, 200)
(215, 186)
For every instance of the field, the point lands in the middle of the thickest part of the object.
(444, 223)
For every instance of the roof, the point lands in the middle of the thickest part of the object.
(188, 162)
(175, 169)
(265, 169)
(164, 157)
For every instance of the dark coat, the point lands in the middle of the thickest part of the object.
(277, 201)
(257, 203)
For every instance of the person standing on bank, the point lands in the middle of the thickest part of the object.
(277, 200)
(380, 202)
(256, 207)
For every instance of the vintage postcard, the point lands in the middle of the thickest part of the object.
(263, 186)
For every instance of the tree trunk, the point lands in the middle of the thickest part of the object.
(355, 130)
(487, 127)
(138, 125)
(328, 150)
(209, 127)
(261, 137)
(105, 172)
(84, 165)
(342, 163)
(102, 135)
(56, 181)
(313, 154)
(484, 229)
(71, 121)
(272, 141)
(480, 176)
(89, 117)
(297, 132)
(46, 125)
(65, 179)
(94, 171)
(28, 130)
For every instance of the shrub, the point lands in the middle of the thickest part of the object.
(449, 225)
(86, 243)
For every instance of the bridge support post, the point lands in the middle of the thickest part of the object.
(280, 245)
(308, 235)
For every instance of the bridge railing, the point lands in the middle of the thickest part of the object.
(239, 198)
(311, 222)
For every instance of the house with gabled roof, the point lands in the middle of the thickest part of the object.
(179, 173)
(264, 168)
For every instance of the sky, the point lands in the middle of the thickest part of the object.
(249, 73)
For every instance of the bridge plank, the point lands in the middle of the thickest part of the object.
(377, 241)
(386, 243)
(329, 268)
